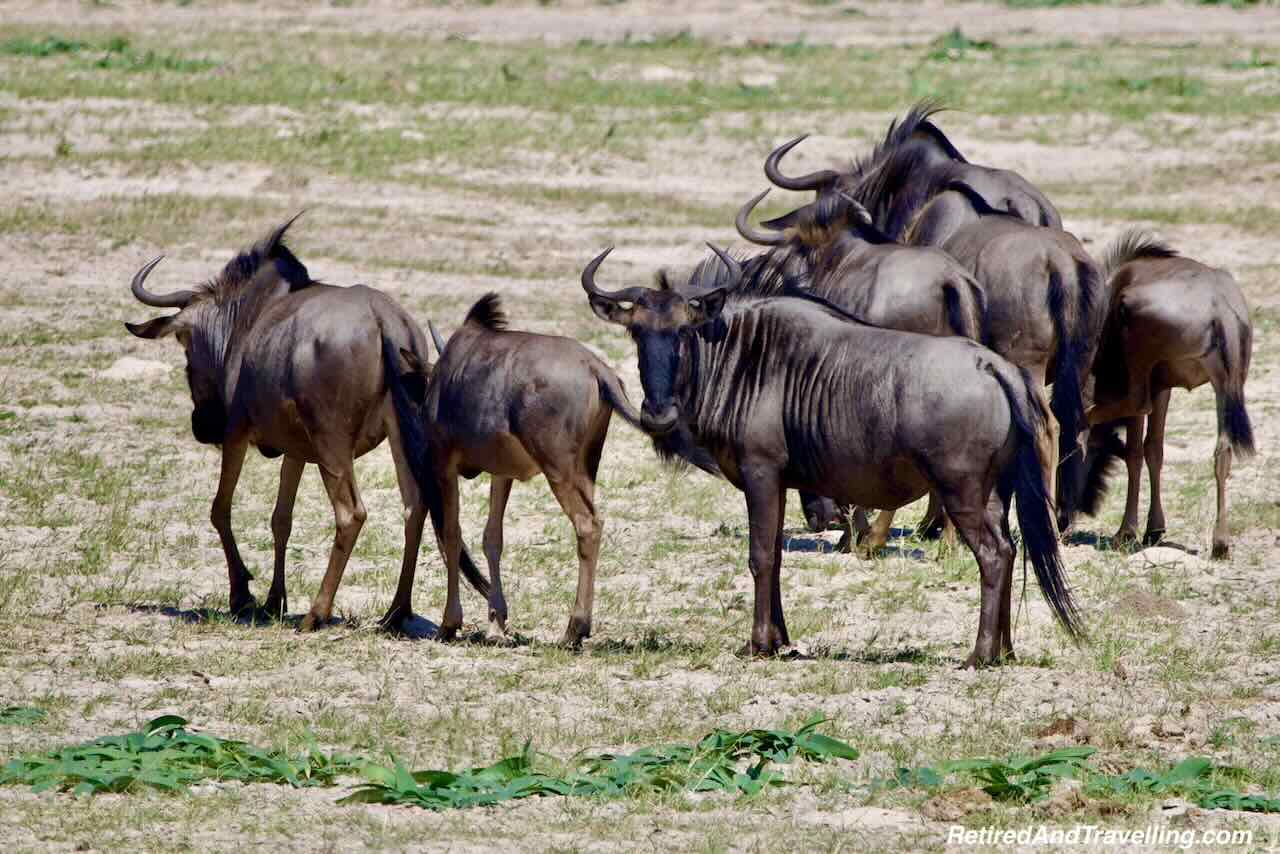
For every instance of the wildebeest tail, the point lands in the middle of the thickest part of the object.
(1074, 327)
(966, 309)
(1234, 348)
(414, 440)
(1027, 476)
(1106, 450)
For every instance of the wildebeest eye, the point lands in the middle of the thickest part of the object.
(695, 303)
(626, 305)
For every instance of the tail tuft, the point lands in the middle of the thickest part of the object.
(1235, 421)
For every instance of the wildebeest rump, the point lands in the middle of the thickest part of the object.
(792, 393)
(295, 367)
(1173, 323)
(515, 404)
(913, 163)
(1045, 309)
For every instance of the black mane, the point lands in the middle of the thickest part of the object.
(244, 267)
(488, 313)
(1133, 244)
(900, 133)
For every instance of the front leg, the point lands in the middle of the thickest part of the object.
(450, 540)
(764, 498)
(241, 599)
(1127, 535)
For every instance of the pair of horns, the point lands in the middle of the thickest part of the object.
(820, 180)
(733, 265)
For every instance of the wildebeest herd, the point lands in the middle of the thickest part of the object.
(924, 326)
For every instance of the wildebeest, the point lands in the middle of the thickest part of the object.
(516, 404)
(913, 163)
(1173, 322)
(1045, 308)
(834, 251)
(792, 392)
(298, 368)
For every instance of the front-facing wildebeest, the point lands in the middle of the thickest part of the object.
(515, 404)
(791, 392)
(833, 250)
(1173, 322)
(300, 369)
(913, 163)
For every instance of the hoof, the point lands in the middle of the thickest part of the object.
(1221, 551)
(1125, 539)
(447, 634)
(578, 630)
(313, 622)
(243, 604)
(1153, 538)
(275, 608)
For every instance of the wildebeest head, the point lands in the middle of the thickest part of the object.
(658, 320)
(211, 315)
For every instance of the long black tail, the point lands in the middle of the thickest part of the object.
(1073, 328)
(418, 452)
(676, 448)
(1026, 475)
(1234, 345)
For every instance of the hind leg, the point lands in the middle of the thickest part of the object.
(1000, 502)
(1128, 532)
(1154, 448)
(415, 517)
(575, 494)
(877, 535)
(499, 492)
(281, 526)
(1221, 473)
(979, 524)
(348, 516)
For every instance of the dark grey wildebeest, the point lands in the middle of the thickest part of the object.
(834, 251)
(1173, 323)
(297, 368)
(515, 404)
(913, 163)
(791, 392)
(1046, 303)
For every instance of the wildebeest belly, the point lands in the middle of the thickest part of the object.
(888, 485)
(502, 455)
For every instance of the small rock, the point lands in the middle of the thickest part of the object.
(1144, 603)
(129, 368)
(762, 80)
(1167, 729)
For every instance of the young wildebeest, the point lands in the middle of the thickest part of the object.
(1173, 323)
(515, 404)
(836, 253)
(299, 369)
(913, 163)
(791, 392)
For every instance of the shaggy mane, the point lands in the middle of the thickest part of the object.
(241, 270)
(899, 134)
(488, 313)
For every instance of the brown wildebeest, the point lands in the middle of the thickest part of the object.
(1173, 323)
(516, 404)
(297, 368)
(913, 163)
(1046, 305)
(847, 260)
(792, 392)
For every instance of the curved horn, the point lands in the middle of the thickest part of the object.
(813, 181)
(437, 339)
(744, 226)
(733, 265)
(589, 281)
(177, 299)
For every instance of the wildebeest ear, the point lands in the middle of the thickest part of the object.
(614, 311)
(157, 327)
(706, 307)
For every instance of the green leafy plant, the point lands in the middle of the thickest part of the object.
(21, 715)
(47, 46)
(724, 761)
(164, 755)
(1026, 779)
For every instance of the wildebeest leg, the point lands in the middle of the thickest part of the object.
(415, 516)
(499, 492)
(232, 461)
(979, 524)
(1001, 501)
(348, 518)
(775, 603)
(934, 521)
(1221, 472)
(281, 526)
(1128, 532)
(761, 487)
(576, 495)
(877, 536)
(450, 541)
(856, 528)
(1154, 447)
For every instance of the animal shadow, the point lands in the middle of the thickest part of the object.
(256, 617)
(1110, 544)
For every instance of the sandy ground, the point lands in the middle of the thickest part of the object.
(1184, 648)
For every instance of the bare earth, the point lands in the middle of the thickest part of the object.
(106, 553)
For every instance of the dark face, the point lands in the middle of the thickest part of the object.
(208, 414)
(658, 322)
